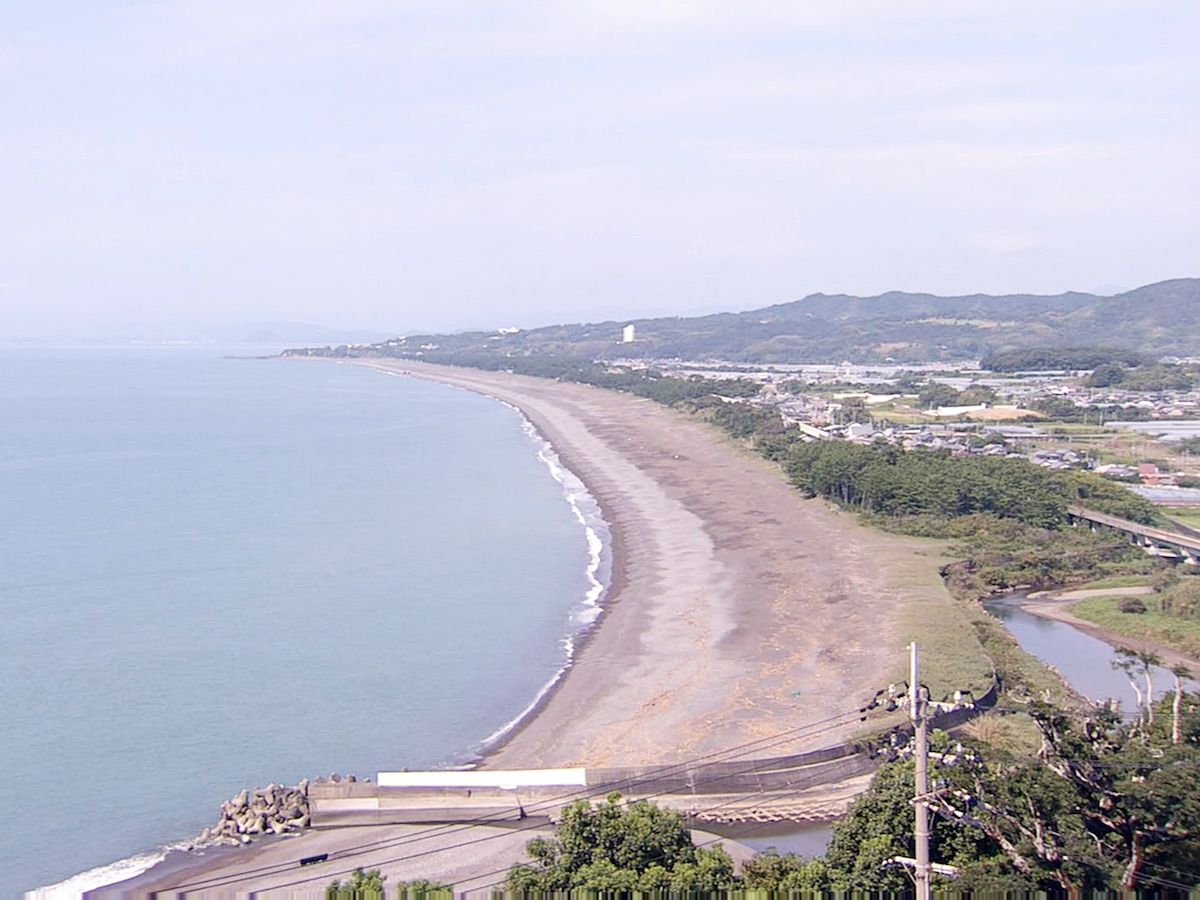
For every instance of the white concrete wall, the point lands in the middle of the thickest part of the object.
(498, 778)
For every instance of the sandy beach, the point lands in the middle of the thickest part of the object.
(738, 610)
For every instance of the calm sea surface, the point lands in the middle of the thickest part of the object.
(217, 573)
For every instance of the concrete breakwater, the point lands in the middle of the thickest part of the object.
(275, 809)
(815, 785)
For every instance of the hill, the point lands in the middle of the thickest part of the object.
(1160, 319)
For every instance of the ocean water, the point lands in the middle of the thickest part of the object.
(216, 573)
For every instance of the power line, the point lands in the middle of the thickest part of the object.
(753, 766)
(659, 775)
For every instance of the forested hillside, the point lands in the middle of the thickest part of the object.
(1159, 319)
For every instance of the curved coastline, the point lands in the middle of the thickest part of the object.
(599, 575)
(693, 617)
(602, 572)
(735, 610)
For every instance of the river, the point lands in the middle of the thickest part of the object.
(1085, 661)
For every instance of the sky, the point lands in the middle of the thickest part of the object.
(437, 165)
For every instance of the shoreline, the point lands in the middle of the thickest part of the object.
(603, 588)
(599, 536)
(717, 538)
(735, 610)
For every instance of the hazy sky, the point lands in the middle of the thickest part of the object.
(441, 164)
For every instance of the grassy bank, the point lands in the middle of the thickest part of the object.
(1188, 515)
(1152, 625)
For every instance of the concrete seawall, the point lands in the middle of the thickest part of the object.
(800, 787)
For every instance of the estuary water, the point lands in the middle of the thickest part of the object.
(1084, 661)
(217, 573)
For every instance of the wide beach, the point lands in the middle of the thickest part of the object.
(738, 611)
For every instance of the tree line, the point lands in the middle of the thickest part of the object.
(1041, 359)
(1007, 515)
(891, 481)
(1106, 805)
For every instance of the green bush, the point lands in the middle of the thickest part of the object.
(362, 885)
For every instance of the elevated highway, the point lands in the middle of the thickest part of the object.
(1155, 541)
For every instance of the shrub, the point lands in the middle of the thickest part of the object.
(366, 885)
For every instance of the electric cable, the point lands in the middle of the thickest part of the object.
(659, 774)
(785, 737)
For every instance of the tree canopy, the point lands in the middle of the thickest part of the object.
(887, 480)
(1105, 805)
(621, 846)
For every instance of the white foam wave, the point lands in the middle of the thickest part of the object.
(596, 531)
(101, 876)
(587, 512)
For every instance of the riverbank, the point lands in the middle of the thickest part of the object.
(737, 610)
(1055, 605)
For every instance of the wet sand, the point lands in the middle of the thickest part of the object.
(738, 610)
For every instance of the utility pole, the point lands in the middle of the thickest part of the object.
(917, 710)
(916, 696)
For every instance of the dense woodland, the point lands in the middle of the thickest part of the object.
(1062, 359)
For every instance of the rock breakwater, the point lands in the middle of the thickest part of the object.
(275, 809)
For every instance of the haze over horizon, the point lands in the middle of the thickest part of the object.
(435, 166)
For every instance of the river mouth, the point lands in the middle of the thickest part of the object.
(1084, 661)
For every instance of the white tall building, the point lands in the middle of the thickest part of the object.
(627, 335)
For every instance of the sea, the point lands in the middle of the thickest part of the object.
(220, 572)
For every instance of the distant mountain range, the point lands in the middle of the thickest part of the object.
(1162, 319)
(280, 332)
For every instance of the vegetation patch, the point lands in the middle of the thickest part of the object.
(1116, 581)
(1176, 632)
(616, 846)
(1104, 805)
(929, 484)
(1188, 515)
